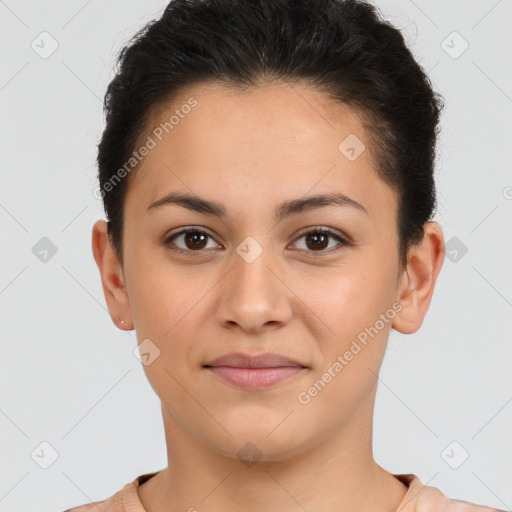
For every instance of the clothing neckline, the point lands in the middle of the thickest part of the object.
(131, 501)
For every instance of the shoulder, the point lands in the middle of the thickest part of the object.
(466, 506)
(424, 498)
(115, 502)
(97, 506)
(88, 508)
(125, 500)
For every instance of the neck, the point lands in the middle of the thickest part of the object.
(335, 474)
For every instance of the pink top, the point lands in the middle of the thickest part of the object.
(419, 498)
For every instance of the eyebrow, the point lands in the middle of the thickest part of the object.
(285, 209)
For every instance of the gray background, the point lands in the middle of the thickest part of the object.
(68, 376)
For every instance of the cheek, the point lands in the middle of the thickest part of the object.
(342, 303)
(351, 356)
(165, 306)
(162, 297)
(348, 322)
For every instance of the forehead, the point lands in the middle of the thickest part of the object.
(270, 141)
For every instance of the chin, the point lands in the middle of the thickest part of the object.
(261, 442)
(251, 451)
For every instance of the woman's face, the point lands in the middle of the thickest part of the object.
(251, 280)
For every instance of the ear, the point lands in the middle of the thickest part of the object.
(112, 277)
(424, 262)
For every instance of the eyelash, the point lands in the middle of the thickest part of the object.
(322, 231)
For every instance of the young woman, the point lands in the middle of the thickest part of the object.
(267, 175)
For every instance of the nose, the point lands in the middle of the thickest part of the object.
(254, 295)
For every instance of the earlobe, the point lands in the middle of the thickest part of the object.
(417, 285)
(112, 277)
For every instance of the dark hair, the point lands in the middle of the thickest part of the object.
(343, 47)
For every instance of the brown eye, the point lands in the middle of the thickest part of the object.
(192, 240)
(317, 240)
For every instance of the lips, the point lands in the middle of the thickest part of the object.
(254, 372)
(268, 360)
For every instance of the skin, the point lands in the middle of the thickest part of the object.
(250, 151)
